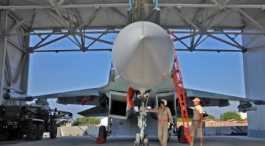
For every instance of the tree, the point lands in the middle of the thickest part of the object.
(86, 121)
(230, 116)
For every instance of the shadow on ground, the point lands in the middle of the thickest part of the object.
(88, 141)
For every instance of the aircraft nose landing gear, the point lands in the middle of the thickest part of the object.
(141, 138)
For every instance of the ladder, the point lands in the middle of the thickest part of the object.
(130, 94)
(182, 97)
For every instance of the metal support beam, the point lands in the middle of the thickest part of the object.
(203, 38)
(197, 42)
(110, 50)
(182, 30)
(211, 50)
(234, 40)
(126, 5)
(41, 41)
(25, 68)
(73, 41)
(72, 50)
(185, 34)
(15, 25)
(252, 20)
(115, 10)
(18, 18)
(8, 74)
(224, 41)
(94, 41)
(173, 30)
(50, 42)
(185, 19)
(180, 40)
(99, 40)
(3, 49)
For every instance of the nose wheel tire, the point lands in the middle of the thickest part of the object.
(102, 135)
(144, 142)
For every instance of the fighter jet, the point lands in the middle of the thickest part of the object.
(143, 56)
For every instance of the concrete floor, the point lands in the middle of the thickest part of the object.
(86, 141)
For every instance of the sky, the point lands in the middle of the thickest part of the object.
(58, 72)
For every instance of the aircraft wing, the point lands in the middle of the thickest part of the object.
(83, 92)
(95, 111)
(88, 96)
(91, 96)
(98, 96)
(221, 100)
(83, 96)
(208, 98)
(211, 98)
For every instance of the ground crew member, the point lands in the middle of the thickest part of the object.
(164, 118)
(197, 123)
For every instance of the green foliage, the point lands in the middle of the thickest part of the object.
(230, 116)
(211, 117)
(86, 121)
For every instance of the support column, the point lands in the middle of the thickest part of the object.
(3, 47)
(254, 73)
(25, 71)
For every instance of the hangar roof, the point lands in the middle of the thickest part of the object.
(48, 14)
(191, 22)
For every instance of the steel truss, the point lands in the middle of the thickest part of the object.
(3, 49)
(13, 71)
(190, 40)
(197, 30)
(215, 4)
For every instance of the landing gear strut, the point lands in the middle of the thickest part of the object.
(141, 138)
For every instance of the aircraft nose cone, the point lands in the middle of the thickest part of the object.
(143, 54)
